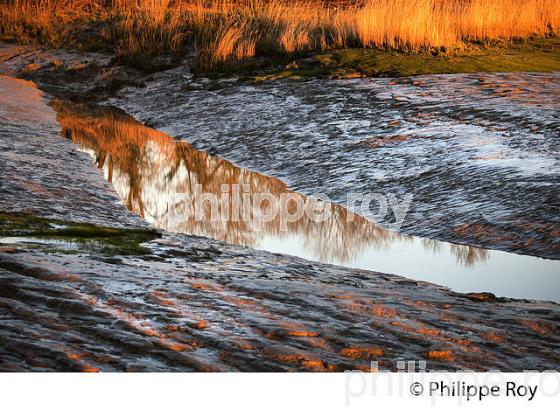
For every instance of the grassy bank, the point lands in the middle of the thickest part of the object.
(229, 33)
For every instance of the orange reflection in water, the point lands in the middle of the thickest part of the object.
(157, 177)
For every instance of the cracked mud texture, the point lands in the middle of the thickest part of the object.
(198, 304)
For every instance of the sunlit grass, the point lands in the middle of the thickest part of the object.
(225, 31)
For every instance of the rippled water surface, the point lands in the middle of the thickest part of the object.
(161, 179)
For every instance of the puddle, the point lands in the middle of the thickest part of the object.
(12, 240)
(481, 159)
(156, 177)
(54, 244)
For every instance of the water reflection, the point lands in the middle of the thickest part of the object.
(156, 177)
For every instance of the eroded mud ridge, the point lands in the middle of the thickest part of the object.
(479, 152)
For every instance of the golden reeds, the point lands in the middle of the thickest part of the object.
(225, 30)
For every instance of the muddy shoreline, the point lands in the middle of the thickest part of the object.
(198, 304)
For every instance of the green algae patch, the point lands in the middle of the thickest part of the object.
(531, 55)
(80, 237)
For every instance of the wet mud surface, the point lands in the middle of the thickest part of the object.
(62, 72)
(41, 173)
(198, 304)
(479, 152)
